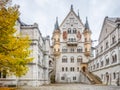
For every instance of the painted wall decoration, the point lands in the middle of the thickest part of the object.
(79, 35)
(64, 35)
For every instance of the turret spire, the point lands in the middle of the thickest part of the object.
(71, 7)
(56, 24)
(86, 24)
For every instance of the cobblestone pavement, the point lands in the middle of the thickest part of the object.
(72, 87)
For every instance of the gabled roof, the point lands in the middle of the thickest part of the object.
(71, 11)
(109, 25)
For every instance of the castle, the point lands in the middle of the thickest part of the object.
(70, 57)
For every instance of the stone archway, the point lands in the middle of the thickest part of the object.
(83, 68)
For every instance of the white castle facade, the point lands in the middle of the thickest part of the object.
(106, 64)
(69, 59)
(71, 48)
(38, 73)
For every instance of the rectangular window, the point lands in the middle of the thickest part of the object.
(62, 69)
(74, 78)
(72, 60)
(78, 69)
(62, 78)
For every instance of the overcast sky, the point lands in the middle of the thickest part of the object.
(44, 12)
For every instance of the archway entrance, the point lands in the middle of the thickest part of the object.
(83, 68)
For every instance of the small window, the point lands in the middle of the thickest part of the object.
(79, 50)
(107, 61)
(64, 59)
(72, 50)
(78, 69)
(97, 65)
(69, 30)
(114, 58)
(114, 75)
(101, 63)
(101, 76)
(62, 69)
(74, 78)
(70, 68)
(72, 59)
(79, 59)
(101, 48)
(62, 78)
(107, 45)
(113, 39)
(66, 69)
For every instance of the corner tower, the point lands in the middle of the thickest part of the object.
(87, 39)
(56, 39)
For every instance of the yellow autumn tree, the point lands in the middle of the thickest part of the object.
(14, 49)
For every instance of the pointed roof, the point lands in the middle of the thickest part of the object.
(87, 24)
(78, 14)
(71, 8)
(56, 24)
(72, 11)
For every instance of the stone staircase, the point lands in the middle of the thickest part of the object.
(93, 78)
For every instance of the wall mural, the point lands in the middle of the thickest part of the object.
(79, 35)
(64, 35)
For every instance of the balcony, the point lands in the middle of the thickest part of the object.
(72, 43)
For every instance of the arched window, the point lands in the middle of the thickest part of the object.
(113, 39)
(69, 30)
(66, 69)
(107, 60)
(79, 49)
(101, 63)
(62, 69)
(79, 59)
(114, 57)
(97, 65)
(64, 59)
(74, 31)
(114, 75)
(64, 49)
(50, 63)
(74, 39)
(72, 50)
(72, 59)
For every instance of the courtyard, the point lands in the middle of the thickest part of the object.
(72, 87)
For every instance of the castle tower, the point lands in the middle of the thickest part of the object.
(87, 39)
(56, 39)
